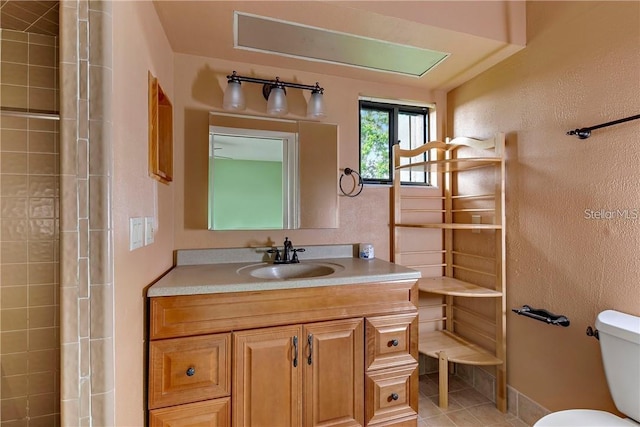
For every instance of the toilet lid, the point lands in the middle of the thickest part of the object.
(583, 418)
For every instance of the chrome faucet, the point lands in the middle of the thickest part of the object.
(289, 254)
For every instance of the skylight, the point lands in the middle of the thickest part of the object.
(268, 35)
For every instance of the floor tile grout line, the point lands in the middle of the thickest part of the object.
(508, 418)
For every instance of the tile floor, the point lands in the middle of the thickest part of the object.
(467, 407)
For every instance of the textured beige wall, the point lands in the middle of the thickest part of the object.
(139, 46)
(199, 86)
(581, 67)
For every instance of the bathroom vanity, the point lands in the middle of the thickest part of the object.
(235, 340)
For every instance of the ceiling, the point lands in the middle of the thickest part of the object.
(474, 34)
(240, 147)
(30, 16)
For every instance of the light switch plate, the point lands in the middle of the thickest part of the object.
(149, 230)
(136, 233)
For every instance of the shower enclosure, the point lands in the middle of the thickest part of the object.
(29, 218)
(56, 278)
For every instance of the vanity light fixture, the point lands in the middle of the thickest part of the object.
(233, 96)
(275, 93)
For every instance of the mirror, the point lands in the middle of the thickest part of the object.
(271, 174)
(251, 171)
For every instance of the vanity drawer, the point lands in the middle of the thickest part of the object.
(391, 340)
(392, 394)
(211, 413)
(184, 370)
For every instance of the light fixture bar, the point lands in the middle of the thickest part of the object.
(275, 93)
(277, 82)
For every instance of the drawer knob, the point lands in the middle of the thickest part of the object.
(394, 396)
(393, 343)
(191, 371)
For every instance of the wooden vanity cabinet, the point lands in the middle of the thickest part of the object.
(331, 356)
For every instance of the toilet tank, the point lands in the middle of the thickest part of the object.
(620, 346)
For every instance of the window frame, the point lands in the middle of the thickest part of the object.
(394, 111)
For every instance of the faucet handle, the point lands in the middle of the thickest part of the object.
(274, 251)
(294, 257)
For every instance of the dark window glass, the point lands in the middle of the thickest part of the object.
(382, 125)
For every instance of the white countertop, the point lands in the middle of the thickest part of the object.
(223, 277)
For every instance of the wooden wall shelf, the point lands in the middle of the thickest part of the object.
(454, 287)
(160, 133)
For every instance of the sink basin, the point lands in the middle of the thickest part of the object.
(305, 270)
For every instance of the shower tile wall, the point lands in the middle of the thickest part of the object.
(29, 259)
(29, 71)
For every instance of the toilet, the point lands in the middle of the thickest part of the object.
(620, 347)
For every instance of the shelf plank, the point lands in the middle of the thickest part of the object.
(473, 196)
(457, 349)
(454, 287)
(450, 165)
(415, 210)
(450, 226)
(422, 197)
(473, 210)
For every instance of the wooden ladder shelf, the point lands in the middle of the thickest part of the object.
(454, 233)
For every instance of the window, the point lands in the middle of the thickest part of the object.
(382, 125)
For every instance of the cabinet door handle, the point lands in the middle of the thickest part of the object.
(295, 351)
(310, 342)
(394, 396)
(393, 343)
(191, 371)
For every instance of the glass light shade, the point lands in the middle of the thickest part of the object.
(277, 104)
(315, 106)
(233, 97)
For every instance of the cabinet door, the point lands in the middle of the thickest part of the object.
(334, 373)
(267, 377)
